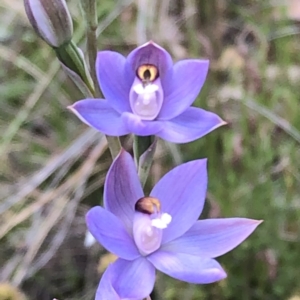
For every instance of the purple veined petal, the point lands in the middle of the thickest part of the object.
(137, 126)
(105, 289)
(182, 88)
(110, 68)
(149, 54)
(189, 268)
(212, 237)
(98, 114)
(191, 125)
(182, 193)
(122, 189)
(110, 232)
(132, 280)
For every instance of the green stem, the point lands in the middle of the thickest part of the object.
(143, 150)
(140, 145)
(90, 10)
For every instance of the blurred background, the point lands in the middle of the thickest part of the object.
(52, 167)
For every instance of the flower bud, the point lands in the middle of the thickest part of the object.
(72, 59)
(51, 20)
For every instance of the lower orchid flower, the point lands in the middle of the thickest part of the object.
(145, 94)
(161, 231)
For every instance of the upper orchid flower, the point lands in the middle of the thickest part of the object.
(147, 95)
(161, 231)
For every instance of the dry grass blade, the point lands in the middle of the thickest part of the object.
(280, 122)
(26, 109)
(64, 202)
(75, 150)
(21, 62)
(50, 195)
(236, 94)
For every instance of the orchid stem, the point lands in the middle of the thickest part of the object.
(89, 8)
(143, 150)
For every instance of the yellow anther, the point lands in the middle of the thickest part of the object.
(147, 73)
(148, 205)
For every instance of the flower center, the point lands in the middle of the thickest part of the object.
(146, 94)
(147, 73)
(147, 237)
(148, 224)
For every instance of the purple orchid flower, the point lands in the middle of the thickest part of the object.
(169, 238)
(145, 94)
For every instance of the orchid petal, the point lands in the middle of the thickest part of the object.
(110, 232)
(98, 114)
(149, 54)
(183, 87)
(182, 193)
(105, 289)
(137, 126)
(132, 280)
(110, 68)
(190, 268)
(213, 237)
(191, 125)
(122, 189)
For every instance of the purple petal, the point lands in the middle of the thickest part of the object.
(110, 232)
(190, 125)
(127, 279)
(105, 289)
(213, 237)
(122, 189)
(190, 268)
(110, 68)
(182, 193)
(136, 125)
(183, 87)
(149, 54)
(98, 114)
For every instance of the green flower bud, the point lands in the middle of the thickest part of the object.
(51, 20)
(72, 60)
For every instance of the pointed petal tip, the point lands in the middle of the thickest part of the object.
(201, 164)
(204, 160)
(123, 154)
(252, 221)
(223, 274)
(71, 107)
(221, 123)
(217, 274)
(122, 151)
(258, 222)
(151, 42)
